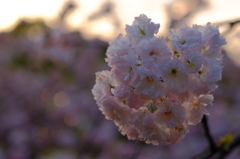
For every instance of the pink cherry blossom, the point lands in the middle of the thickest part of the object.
(185, 39)
(174, 76)
(171, 114)
(212, 41)
(192, 62)
(197, 108)
(142, 27)
(154, 92)
(153, 52)
(102, 88)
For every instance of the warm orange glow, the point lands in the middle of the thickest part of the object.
(12, 10)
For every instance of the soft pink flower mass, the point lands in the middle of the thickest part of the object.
(153, 91)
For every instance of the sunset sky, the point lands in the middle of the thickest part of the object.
(12, 10)
(126, 10)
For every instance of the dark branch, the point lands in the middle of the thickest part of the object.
(231, 25)
(208, 135)
(209, 152)
(213, 150)
(232, 146)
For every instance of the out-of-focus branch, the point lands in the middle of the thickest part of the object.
(209, 152)
(226, 151)
(69, 6)
(231, 25)
(214, 151)
(208, 134)
(181, 11)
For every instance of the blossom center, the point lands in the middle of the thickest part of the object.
(190, 64)
(200, 72)
(195, 104)
(178, 128)
(152, 53)
(141, 31)
(152, 108)
(168, 112)
(149, 79)
(177, 54)
(183, 42)
(174, 71)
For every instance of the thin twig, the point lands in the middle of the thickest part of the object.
(231, 24)
(231, 147)
(208, 135)
(213, 148)
(217, 152)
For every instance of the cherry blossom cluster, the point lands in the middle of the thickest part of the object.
(154, 91)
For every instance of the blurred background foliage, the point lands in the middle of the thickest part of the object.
(47, 72)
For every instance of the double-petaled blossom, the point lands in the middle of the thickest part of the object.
(196, 108)
(185, 39)
(141, 28)
(153, 92)
(170, 114)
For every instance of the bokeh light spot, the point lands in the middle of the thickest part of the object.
(61, 99)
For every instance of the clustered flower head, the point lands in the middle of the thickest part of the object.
(153, 92)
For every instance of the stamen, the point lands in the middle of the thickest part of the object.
(174, 71)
